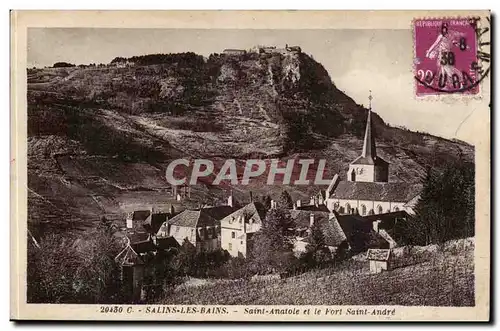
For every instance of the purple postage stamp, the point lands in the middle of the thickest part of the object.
(450, 55)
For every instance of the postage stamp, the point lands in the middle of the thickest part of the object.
(449, 55)
(250, 166)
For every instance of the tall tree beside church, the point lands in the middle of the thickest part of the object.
(446, 207)
(273, 248)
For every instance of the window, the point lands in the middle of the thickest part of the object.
(176, 229)
(192, 232)
(230, 247)
(347, 208)
(241, 242)
(363, 210)
(336, 206)
(233, 234)
(379, 209)
(396, 208)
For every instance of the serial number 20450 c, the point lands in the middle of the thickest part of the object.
(111, 309)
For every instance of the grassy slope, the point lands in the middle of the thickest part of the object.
(444, 279)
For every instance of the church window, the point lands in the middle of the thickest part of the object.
(379, 209)
(353, 176)
(347, 208)
(396, 208)
(336, 206)
(363, 210)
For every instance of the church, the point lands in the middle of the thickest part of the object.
(367, 190)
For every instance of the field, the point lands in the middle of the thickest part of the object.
(433, 276)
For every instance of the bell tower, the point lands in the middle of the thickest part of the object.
(368, 167)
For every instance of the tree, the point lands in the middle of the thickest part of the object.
(445, 209)
(63, 65)
(69, 270)
(285, 200)
(273, 250)
(317, 253)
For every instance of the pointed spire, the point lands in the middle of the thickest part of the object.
(369, 150)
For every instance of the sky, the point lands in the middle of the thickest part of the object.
(356, 60)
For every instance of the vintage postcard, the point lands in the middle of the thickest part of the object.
(250, 165)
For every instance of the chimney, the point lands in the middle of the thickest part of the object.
(230, 202)
(311, 220)
(251, 197)
(299, 203)
(375, 225)
(130, 217)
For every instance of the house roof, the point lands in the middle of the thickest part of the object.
(387, 216)
(301, 218)
(144, 246)
(255, 210)
(378, 254)
(330, 227)
(359, 232)
(166, 243)
(332, 232)
(219, 212)
(391, 191)
(320, 208)
(154, 221)
(128, 257)
(201, 217)
(140, 215)
(137, 236)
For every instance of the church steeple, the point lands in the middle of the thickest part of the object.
(369, 150)
(368, 167)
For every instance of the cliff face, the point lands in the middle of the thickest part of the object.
(124, 124)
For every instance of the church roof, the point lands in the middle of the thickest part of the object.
(377, 191)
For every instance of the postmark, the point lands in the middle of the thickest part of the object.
(452, 55)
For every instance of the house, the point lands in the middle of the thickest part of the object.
(201, 227)
(379, 259)
(360, 233)
(135, 219)
(385, 225)
(367, 189)
(328, 224)
(131, 271)
(238, 228)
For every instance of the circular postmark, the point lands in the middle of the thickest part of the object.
(452, 55)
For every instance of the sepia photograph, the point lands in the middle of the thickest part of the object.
(195, 170)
